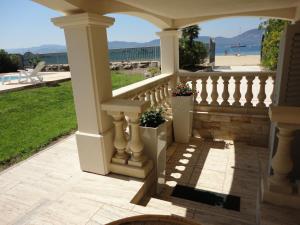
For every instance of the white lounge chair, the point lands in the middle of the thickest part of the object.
(33, 75)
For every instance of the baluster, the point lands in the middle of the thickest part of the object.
(136, 98)
(249, 94)
(120, 142)
(142, 96)
(237, 91)
(166, 94)
(153, 98)
(136, 145)
(214, 93)
(204, 91)
(194, 89)
(148, 95)
(162, 94)
(157, 94)
(262, 91)
(225, 94)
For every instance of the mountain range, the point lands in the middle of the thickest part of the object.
(251, 37)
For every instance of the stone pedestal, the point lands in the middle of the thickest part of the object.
(182, 109)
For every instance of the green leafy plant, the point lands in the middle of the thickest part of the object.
(152, 118)
(270, 46)
(7, 62)
(153, 71)
(182, 90)
(191, 51)
(31, 59)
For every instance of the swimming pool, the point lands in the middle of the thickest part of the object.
(9, 77)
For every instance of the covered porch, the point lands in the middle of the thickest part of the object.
(50, 188)
(233, 138)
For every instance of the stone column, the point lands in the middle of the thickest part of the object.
(282, 163)
(87, 47)
(169, 52)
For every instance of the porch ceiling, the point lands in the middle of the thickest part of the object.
(178, 13)
(178, 9)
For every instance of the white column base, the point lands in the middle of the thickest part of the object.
(281, 199)
(283, 187)
(95, 151)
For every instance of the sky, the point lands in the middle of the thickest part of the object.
(25, 24)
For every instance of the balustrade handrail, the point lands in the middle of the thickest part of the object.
(223, 74)
(135, 89)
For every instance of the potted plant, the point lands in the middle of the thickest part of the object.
(182, 110)
(154, 136)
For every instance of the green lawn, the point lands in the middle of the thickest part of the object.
(32, 118)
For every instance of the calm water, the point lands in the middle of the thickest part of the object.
(10, 77)
(146, 53)
(248, 50)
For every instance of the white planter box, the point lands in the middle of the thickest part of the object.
(182, 108)
(155, 145)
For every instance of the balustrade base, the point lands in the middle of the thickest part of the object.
(269, 195)
(284, 187)
(139, 163)
(132, 171)
(120, 160)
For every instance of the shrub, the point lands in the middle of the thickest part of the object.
(7, 62)
(152, 118)
(182, 90)
(191, 52)
(270, 46)
(153, 71)
(31, 59)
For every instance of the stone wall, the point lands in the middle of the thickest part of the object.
(252, 129)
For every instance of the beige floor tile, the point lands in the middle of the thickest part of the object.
(109, 213)
(50, 188)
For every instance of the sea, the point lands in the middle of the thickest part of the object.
(247, 50)
(148, 54)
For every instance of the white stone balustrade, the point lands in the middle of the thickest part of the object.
(144, 86)
(136, 164)
(287, 121)
(279, 189)
(231, 89)
(155, 90)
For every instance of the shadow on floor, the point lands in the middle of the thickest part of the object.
(220, 167)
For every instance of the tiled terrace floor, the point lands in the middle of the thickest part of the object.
(50, 188)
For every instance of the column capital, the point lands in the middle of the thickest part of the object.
(173, 32)
(83, 19)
